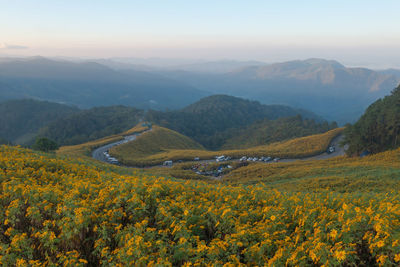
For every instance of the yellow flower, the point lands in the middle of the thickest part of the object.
(333, 234)
(380, 244)
(397, 257)
(381, 260)
(273, 218)
(340, 255)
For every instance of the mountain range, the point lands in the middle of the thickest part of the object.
(325, 87)
(89, 84)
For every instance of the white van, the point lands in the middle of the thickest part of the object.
(167, 163)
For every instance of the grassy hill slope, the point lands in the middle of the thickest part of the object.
(158, 140)
(154, 148)
(342, 174)
(268, 131)
(85, 149)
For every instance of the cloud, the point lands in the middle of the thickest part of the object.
(12, 47)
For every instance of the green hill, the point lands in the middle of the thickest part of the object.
(211, 120)
(20, 120)
(92, 124)
(269, 131)
(157, 140)
(378, 129)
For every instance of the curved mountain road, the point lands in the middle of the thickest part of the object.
(100, 153)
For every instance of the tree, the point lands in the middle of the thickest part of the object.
(45, 144)
(4, 141)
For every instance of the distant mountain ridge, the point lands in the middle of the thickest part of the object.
(91, 84)
(327, 72)
(325, 87)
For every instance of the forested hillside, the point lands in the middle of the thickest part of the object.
(213, 120)
(92, 124)
(21, 119)
(268, 131)
(378, 129)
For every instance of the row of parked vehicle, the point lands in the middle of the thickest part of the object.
(110, 159)
(222, 158)
(262, 159)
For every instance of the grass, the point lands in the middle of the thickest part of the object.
(86, 148)
(373, 173)
(153, 148)
(158, 140)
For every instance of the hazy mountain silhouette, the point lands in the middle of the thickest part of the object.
(325, 87)
(91, 84)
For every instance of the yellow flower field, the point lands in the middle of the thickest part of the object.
(65, 212)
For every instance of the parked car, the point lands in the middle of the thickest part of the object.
(196, 159)
(255, 159)
(277, 159)
(267, 159)
(220, 158)
(242, 159)
(331, 149)
(167, 163)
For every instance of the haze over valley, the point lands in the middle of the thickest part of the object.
(199, 133)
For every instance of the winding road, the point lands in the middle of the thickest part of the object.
(99, 153)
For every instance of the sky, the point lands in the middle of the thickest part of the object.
(355, 32)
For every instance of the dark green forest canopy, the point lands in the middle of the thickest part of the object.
(21, 119)
(92, 124)
(378, 129)
(214, 120)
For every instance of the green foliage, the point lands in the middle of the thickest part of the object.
(20, 120)
(4, 141)
(213, 120)
(92, 124)
(378, 129)
(269, 131)
(44, 144)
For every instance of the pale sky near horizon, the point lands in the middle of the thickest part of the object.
(355, 32)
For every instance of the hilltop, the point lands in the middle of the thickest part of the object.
(214, 119)
(157, 140)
